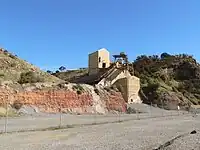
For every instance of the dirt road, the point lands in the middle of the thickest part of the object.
(146, 134)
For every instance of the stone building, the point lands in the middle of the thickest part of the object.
(105, 73)
(115, 73)
(98, 60)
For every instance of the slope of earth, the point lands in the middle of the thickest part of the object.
(11, 68)
(169, 80)
(68, 98)
(25, 86)
(71, 75)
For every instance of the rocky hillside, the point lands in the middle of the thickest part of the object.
(16, 70)
(71, 75)
(70, 98)
(30, 87)
(169, 79)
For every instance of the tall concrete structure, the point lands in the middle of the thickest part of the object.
(129, 86)
(107, 74)
(98, 60)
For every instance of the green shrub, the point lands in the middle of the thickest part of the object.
(131, 110)
(78, 88)
(96, 91)
(13, 64)
(6, 52)
(17, 105)
(12, 56)
(107, 89)
(153, 86)
(2, 75)
(79, 92)
(29, 77)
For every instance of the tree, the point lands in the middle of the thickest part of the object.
(141, 57)
(164, 55)
(62, 68)
(50, 72)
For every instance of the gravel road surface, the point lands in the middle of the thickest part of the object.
(145, 134)
(40, 121)
(187, 142)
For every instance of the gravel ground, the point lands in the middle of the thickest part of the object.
(39, 121)
(145, 134)
(188, 142)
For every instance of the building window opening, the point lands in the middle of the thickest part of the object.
(99, 59)
(131, 100)
(104, 65)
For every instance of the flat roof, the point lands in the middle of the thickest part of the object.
(98, 51)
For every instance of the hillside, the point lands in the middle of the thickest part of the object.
(30, 89)
(166, 80)
(171, 79)
(13, 68)
(71, 75)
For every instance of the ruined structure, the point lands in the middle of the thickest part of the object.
(98, 60)
(105, 73)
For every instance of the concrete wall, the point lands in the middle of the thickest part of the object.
(133, 87)
(114, 76)
(121, 75)
(97, 59)
(93, 63)
(121, 85)
(105, 58)
(129, 87)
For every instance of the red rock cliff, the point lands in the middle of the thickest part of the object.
(53, 100)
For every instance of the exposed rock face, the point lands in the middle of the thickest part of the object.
(116, 102)
(68, 100)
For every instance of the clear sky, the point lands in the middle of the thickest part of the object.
(51, 33)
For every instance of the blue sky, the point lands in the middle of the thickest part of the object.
(51, 33)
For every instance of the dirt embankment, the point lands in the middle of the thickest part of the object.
(52, 100)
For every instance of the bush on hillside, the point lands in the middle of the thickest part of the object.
(79, 92)
(79, 89)
(2, 75)
(165, 55)
(5, 51)
(177, 76)
(17, 105)
(62, 68)
(29, 77)
(12, 56)
(13, 65)
(96, 91)
(49, 71)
